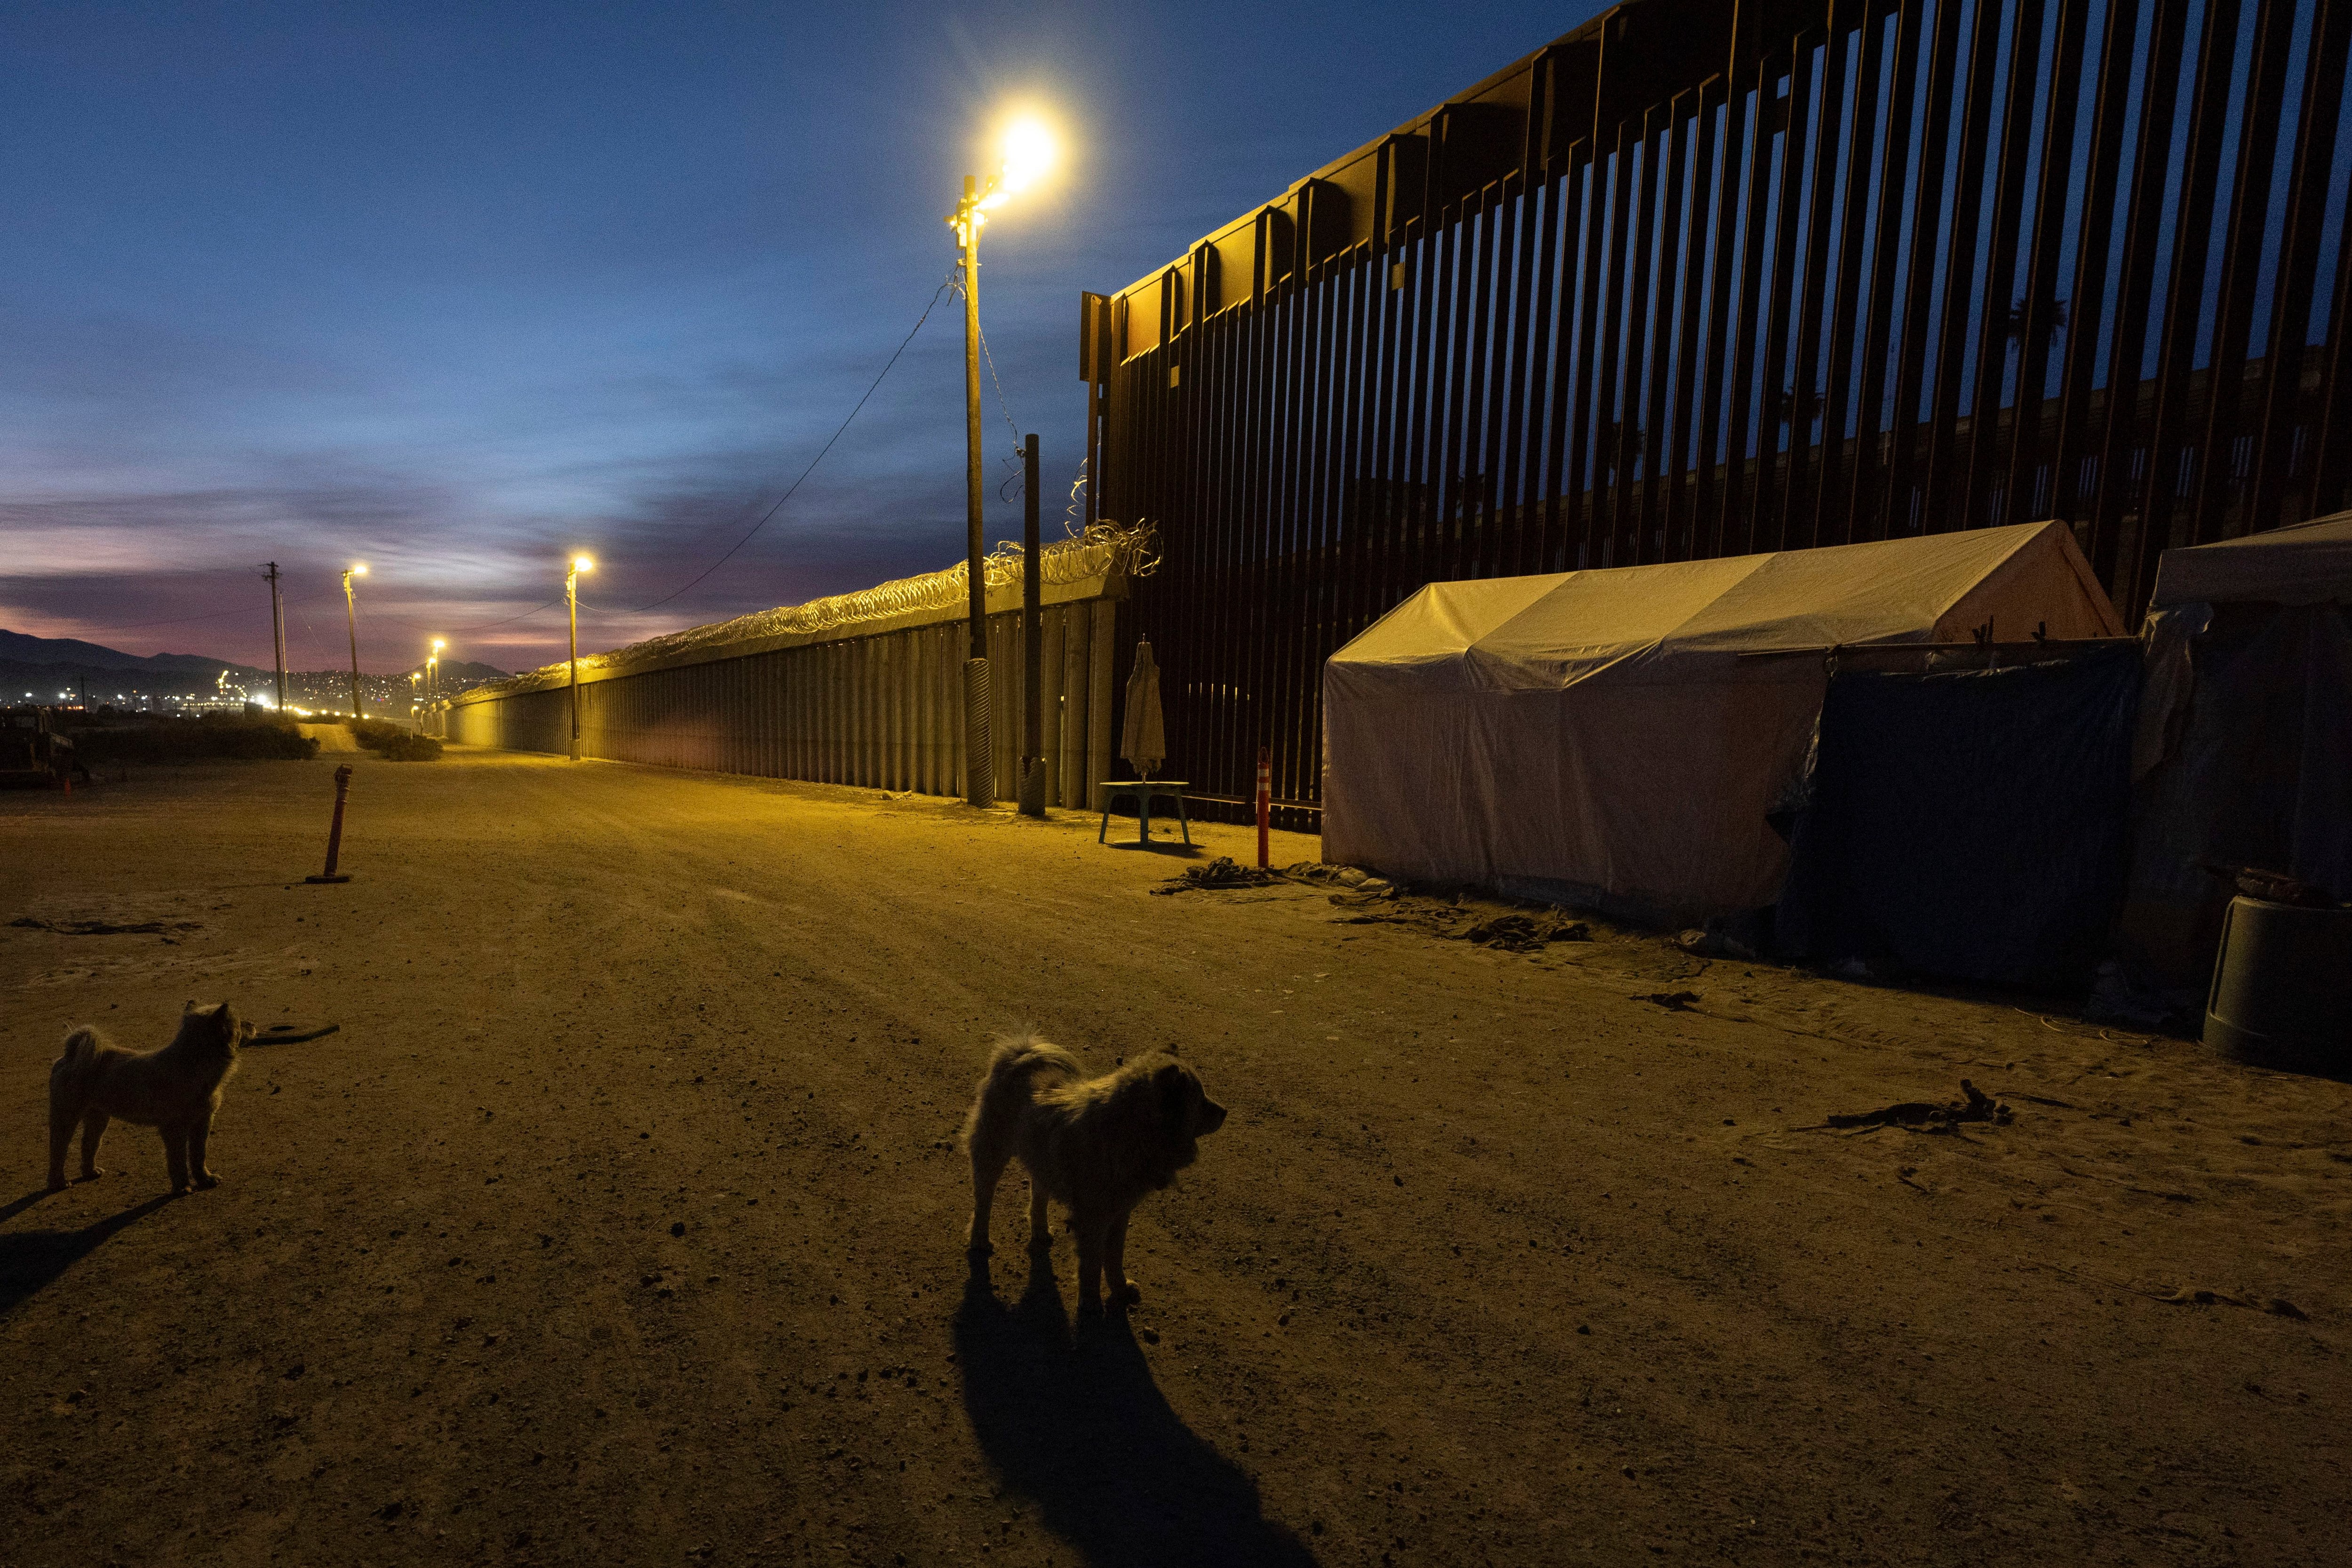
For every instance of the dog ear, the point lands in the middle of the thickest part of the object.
(1176, 1085)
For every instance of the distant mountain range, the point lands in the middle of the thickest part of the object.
(68, 654)
(48, 666)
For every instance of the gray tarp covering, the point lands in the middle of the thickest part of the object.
(1597, 738)
(2245, 736)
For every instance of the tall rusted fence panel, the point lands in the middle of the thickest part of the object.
(1700, 279)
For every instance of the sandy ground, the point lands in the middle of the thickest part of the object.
(620, 1223)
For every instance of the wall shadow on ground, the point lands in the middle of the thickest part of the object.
(1075, 1421)
(32, 1259)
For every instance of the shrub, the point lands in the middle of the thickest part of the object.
(213, 736)
(393, 743)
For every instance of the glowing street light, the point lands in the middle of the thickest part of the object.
(432, 671)
(1029, 149)
(352, 614)
(571, 608)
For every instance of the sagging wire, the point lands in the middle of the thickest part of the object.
(1010, 488)
(936, 295)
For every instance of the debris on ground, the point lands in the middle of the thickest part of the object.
(1675, 1001)
(1926, 1116)
(1459, 921)
(1527, 933)
(292, 1034)
(1224, 872)
(67, 926)
(2202, 1296)
(2194, 1295)
(1720, 939)
(1353, 878)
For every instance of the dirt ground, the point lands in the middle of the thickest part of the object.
(620, 1221)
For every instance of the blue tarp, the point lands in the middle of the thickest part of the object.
(1972, 824)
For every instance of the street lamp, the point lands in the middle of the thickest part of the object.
(351, 615)
(1029, 152)
(415, 707)
(432, 671)
(571, 608)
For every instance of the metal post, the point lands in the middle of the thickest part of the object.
(979, 751)
(351, 615)
(277, 632)
(572, 614)
(1264, 801)
(1033, 661)
(335, 831)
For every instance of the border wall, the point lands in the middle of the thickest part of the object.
(1703, 278)
(865, 689)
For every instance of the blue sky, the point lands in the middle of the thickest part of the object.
(456, 290)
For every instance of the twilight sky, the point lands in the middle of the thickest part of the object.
(456, 290)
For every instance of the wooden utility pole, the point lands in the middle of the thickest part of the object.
(277, 631)
(979, 742)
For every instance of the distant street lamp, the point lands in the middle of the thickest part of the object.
(415, 707)
(432, 671)
(571, 608)
(351, 615)
(1029, 152)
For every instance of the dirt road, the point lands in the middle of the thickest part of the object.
(619, 1222)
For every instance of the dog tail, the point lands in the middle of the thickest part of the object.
(1011, 1082)
(79, 1056)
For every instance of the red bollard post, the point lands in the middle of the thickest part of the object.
(335, 831)
(1264, 803)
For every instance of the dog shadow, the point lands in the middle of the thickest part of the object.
(1075, 1421)
(32, 1259)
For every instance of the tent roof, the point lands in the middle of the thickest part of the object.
(2309, 564)
(1641, 622)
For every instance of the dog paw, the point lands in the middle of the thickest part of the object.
(91, 1173)
(179, 1190)
(57, 1184)
(1127, 1295)
(207, 1180)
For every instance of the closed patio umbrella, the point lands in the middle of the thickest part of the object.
(1143, 740)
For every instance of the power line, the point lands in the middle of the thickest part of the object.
(796, 484)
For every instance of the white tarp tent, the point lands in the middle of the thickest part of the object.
(1596, 737)
(2308, 563)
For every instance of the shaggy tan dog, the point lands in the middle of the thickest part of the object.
(1094, 1145)
(175, 1090)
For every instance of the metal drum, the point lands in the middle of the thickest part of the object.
(2282, 990)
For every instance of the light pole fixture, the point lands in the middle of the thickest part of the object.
(571, 608)
(351, 615)
(1029, 150)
